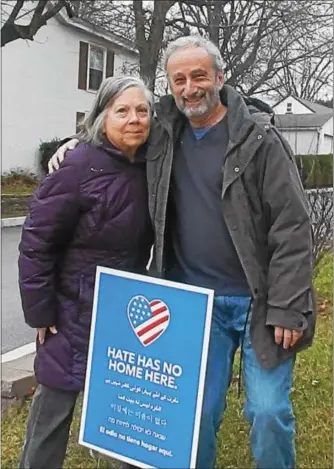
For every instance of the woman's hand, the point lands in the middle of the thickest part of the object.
(42, 331)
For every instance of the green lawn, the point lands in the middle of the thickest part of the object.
(324, 281)
(312, 398)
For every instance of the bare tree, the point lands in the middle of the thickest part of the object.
(305, 79)
(269, 46)
(272, 47)
(328, 102)
(22, 19)
(114, 15)
(149, 37)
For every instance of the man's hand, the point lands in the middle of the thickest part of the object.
(287, 337)
(59, 156)
(42, 331)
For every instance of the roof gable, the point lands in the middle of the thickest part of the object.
(314, 107)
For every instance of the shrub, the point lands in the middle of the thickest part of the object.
(46, 150)
(18, 177)
(316, 170)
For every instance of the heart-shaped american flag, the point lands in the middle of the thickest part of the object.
(148, 319)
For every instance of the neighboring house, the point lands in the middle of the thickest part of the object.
(49, 84)
(307, 126)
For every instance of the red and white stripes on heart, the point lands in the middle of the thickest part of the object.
(154, 326)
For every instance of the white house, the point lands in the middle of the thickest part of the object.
(307, 126)
(48, 84)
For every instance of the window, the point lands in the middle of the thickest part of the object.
(96, 66)
(95, 63)
(79, 118)
(289, 108)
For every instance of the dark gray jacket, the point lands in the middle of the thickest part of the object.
(265, 210)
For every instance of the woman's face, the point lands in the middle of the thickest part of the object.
(127, 121)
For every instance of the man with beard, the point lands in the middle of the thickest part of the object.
(230, 214)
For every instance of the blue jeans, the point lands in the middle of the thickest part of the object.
(268, 408)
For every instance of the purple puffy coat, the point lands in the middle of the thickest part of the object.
(92, 211)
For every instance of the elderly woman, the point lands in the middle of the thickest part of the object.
(93, 211)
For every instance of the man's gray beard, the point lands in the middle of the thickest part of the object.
(211, 100)
(195, 111)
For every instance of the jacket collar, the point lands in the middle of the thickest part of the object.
(115, 152)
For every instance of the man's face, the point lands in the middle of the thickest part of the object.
(194, 82)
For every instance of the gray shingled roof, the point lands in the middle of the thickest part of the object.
(298, 121)
(89, 27)
(317, 108)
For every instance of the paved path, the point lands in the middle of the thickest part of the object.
(15, 332)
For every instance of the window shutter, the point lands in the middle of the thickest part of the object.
(110, 63)
(83, 62)
(79, 118)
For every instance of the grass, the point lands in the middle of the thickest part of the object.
(16, 191)
(18, 182)
(312, 399)
(16, 188)
(324, 281)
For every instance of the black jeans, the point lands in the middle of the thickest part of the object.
(49, 422)
(48, 428)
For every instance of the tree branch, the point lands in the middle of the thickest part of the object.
(11, 31)
(16, 10)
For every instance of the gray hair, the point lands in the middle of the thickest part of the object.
(92, 127)
(195, 41)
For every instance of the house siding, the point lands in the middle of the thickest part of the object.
(327, 137)
(327, 145)
(302, 142)
(328, 127)
(40, 95)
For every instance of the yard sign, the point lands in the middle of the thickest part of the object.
(146, 369)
